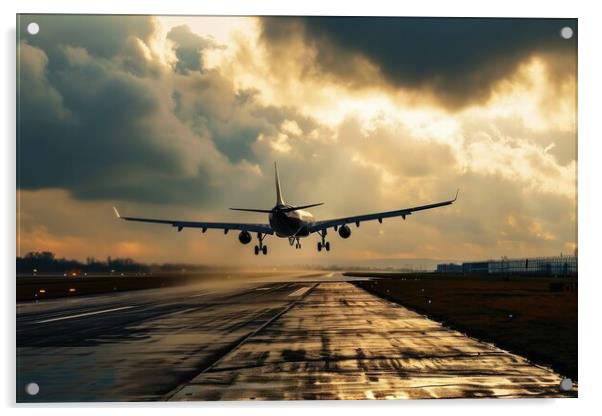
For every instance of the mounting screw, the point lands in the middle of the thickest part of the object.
(566, 32)
(33, 28)
(32, 389)
(566, 384)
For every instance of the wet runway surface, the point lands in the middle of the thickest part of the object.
(291, 337)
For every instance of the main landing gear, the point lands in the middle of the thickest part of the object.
(261, 247)
(295, 241)
(325, 244)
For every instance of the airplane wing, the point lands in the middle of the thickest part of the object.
(226, 226)
(335, 223)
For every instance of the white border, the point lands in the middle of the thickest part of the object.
(590, 179)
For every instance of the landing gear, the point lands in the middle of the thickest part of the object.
(323, 244)
(261, 247)
(295, 241)
(326, 245)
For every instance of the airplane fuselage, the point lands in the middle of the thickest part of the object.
(290, 224)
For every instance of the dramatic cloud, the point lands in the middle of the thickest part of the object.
(102, 124)
(189, 48)
(455, 59)
(183, 117)
(101, 35)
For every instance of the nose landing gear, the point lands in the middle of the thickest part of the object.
(263, 249)
(295, 241)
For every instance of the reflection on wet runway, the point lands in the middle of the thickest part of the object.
(342, 343)
(293, 337)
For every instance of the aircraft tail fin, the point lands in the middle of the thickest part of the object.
(279, 200)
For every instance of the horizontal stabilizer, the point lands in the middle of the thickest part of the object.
(266, 211)
(301, 207)
(283, 209)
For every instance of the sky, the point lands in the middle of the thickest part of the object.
(182, 117)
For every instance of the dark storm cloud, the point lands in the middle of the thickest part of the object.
(189, 48)
(458, 59)
(101, 35)
(209, 104)
(99, 125)
(110, 121)
(95, 128)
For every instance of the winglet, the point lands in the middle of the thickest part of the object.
(116, 212)
(456, 197)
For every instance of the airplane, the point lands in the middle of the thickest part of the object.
(288, 221)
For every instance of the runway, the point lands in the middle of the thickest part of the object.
(296, 336)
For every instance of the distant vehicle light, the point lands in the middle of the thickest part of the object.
(71, 289)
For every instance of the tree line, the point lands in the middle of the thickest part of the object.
(47, 262)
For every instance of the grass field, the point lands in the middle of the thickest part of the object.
(534, 317)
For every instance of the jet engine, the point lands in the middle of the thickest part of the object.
(244, 237)
(344, 231)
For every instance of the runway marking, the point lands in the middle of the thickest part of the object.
(61, 318)
(300, 291)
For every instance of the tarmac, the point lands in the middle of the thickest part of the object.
(284, 337)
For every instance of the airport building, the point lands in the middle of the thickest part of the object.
(550, 266)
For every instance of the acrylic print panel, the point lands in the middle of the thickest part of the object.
(349, 269)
